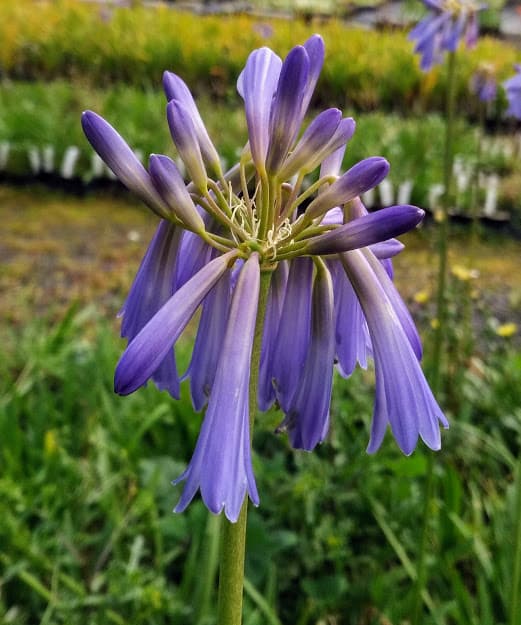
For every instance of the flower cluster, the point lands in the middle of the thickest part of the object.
(326, 261)
(447, 23)
(513, 90)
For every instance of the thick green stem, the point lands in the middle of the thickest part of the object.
(233, 538)
(439, 340)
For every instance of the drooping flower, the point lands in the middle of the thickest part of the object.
(448, 22)
(323, 259)
(513, 90)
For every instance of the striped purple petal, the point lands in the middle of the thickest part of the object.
(184, 135)
(208, 342)
(403, 397)
(116, 153)
(360, 178)
(176, 89)
(257, 84)
(171, 187)
(286, 110)
(307, 418)
(372, 228)
(221, 464)
(266, 392)
(351, 334)
(148, 349)
(292, 340)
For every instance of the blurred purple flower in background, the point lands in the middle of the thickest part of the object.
(483, 83)
(330, 297)
(441, 30)
(513, 90)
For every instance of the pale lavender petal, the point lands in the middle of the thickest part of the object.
(286, 111)
(171, 187)
(403, 397)
(257, 84)
(153, 285)
(332, 164)
(266, 392)
(307, 418)
(148, 349)
(387, 249)
(360, 178)
(293, 333)
(184, 135)
(176, 89)
(316, 51)
(221, 465)
(401, 310)
(208, 342)
(116, 153)
(367, 230)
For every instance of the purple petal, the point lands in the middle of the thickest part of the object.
(307, 418)
(373, 228)
(351, 334)
(153, 285)
(397, 303)
(332, 164)
(114, 150)
(176, 89)
(403, 397)
(266, 393)
(221, 464)
(316, 51)
(322, 137)
(257, 84)
(194, 254)
(293, 333)
(208, 342)
(184, 135)
(148, 349)
(360, 178)
(286, 111)
(171, 187)
(387, 249)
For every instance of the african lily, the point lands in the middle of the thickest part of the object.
(441, 30)
(289, 278)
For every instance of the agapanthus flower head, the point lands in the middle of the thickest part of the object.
(323, 259)
(484, 83)
(448, 22)
(513, 91)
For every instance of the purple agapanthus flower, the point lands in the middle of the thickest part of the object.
(513, 90)
(448, 22)
(325, 259)
(483, 83)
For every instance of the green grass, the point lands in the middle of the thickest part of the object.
(87, 530)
